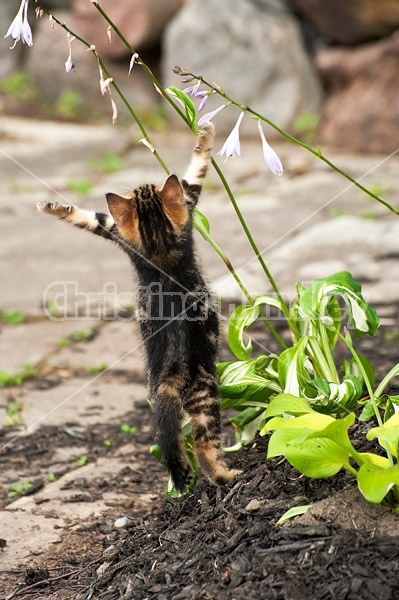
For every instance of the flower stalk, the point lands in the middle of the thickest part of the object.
(315, 151)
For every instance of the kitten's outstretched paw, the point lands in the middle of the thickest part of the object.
(54, 208)
(205, 138)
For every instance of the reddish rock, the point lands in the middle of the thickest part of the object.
(140, 21)
(361, 111)
(350, 21)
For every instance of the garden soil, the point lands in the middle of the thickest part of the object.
(213, 543)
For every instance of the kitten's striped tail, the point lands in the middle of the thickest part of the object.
(168, 416)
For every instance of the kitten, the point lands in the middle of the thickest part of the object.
(179, 324)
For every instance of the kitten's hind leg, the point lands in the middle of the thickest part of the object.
(203, 405)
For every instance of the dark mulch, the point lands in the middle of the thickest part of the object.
(212, 545)
(215, 543)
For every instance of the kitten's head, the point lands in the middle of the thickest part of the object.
(152, 219)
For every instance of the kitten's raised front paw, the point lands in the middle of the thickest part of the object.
(205, 138)
(54, 208)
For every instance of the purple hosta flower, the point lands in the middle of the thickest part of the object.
(232, 147)
(20, 28)
(209, 116)
(204, 99)
(192, 90)
(272, 160)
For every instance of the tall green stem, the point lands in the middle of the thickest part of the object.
(348, 342)
(251, 239)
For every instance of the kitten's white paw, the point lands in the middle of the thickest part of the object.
(205, 138)
(54, 208)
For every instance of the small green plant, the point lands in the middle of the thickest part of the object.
(368, 214)
(51, 477)
(19, 86)
(306, 126)
(128, 429)
(108, 443)
(69, 104)
(82, 461)
(64, 341)
(106, 163)
(17, 489)
(80, 186)
(7, 379)
(14, 417)
(11, 317)
(83, 335)
(97, 368)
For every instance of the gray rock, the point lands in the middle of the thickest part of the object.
(254, 52)
(122, 523)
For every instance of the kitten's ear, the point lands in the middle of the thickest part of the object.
(171, 192)
(119, 207)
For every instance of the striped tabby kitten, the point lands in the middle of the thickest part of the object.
(179, 324)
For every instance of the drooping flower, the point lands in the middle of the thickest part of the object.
(132, 62)
(20, 28)
(272, 160)
(232, 147)
(69, 64)
(209, 116)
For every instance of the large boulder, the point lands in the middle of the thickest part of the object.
(361, 111)
(350, 21)
(254, 51)
(141, 22)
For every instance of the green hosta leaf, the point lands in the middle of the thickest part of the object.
(241, 319)
(317, 457)
(246, 382)
(295, 511)
(388, 434)
(374, 459)
(187, 104)
(288, 404)
(313, 421)
(337, 431)
(292, 369)
(350, 367)
(346, 393)
(367, 412)
(314, 301)
(246, 424)
(201, 224)
(375, 482)
(281, 440)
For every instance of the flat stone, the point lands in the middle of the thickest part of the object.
(118, 346)
(83, 401)
(31, 343)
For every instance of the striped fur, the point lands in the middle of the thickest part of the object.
(179, 324)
